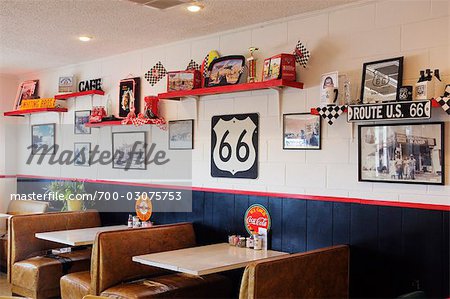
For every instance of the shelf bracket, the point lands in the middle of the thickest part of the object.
(197, 108)
(280, 103)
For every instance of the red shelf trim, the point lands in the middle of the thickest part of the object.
(79, 94)
(112, 124)
(33, 111)
(434, 103)
(258, 193)
(230, 89)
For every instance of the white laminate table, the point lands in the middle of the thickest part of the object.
(3, 215)
(77, 237)
(205, 259)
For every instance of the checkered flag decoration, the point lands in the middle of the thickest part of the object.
(301, 54)
(331, 113)
(445, 103)
(444, 100)
(205, 66)
(192, 66)
(156, 73)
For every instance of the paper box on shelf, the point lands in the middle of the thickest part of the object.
(281, 66)
(183, 80)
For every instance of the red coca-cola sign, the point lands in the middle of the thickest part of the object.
(255, 217)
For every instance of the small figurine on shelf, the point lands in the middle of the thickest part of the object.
(251, 62)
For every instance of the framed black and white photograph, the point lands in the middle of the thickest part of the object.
(381, 80)
(402, 153)
(234, 146)
(301, 131)
(328, 83)
(181, 134)
(129, 150)
(82, 153)
(82, 118)
(43, 139)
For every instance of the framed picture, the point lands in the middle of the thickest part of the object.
(226, 70)
(66, 84)
(129, 150)
(129, 96)
(402, 153)
(82, 154)
(82, 118)
(328, 81)
(181, 134)
(27, 90)
(381, 80)
(301, 131)
(43, 136)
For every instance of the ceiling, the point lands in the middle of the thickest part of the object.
(40, 34)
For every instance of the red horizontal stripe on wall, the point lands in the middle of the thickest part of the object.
(8, 176)
(258, 193)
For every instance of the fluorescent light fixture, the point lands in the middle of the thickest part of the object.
(85, 38)
(195, 7)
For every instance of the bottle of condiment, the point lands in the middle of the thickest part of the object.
(130, 221)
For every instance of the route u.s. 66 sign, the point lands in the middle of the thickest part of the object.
(389, 111)
(234, 146)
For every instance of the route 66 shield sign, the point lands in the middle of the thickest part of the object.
(234, 146)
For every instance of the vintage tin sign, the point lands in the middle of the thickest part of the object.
(255, 217)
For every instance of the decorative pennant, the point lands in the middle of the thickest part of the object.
(301, 54)
(193, 66)
(156, 73)
(331, 113)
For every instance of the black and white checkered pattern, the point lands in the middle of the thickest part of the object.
(193, 66)
(331, 113)
(445, 103)
(205, 66)
(301, 54)
(156, 73)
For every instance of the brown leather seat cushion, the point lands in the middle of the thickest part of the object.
(43, 273)
(75, 285)
(3, 251)
(173, 286)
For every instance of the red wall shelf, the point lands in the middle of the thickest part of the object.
(33, 111)
(229, 89)
(79, 94)
(433, 104)
(112, 124)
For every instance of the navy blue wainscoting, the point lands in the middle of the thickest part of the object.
(394, 250)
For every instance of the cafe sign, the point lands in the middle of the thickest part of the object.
(389, 111)
(255, 217)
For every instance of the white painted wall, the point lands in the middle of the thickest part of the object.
(340, 39)
(8, 89)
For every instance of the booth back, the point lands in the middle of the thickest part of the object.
(22, 229)
(19, 207)
(322, 273)
(112, 252)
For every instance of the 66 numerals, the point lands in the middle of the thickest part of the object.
(225, 146)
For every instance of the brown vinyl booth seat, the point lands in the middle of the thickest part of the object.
(114, 274)
(18, 207)
(322, 273)
(31, 272)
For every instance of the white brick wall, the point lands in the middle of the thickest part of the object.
(340, 39)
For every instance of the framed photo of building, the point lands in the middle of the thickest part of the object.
(301, 131)
(82, 154)
(411, 153)
(181, 134)
(43, 139)
(129, 150)
(82, 118)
